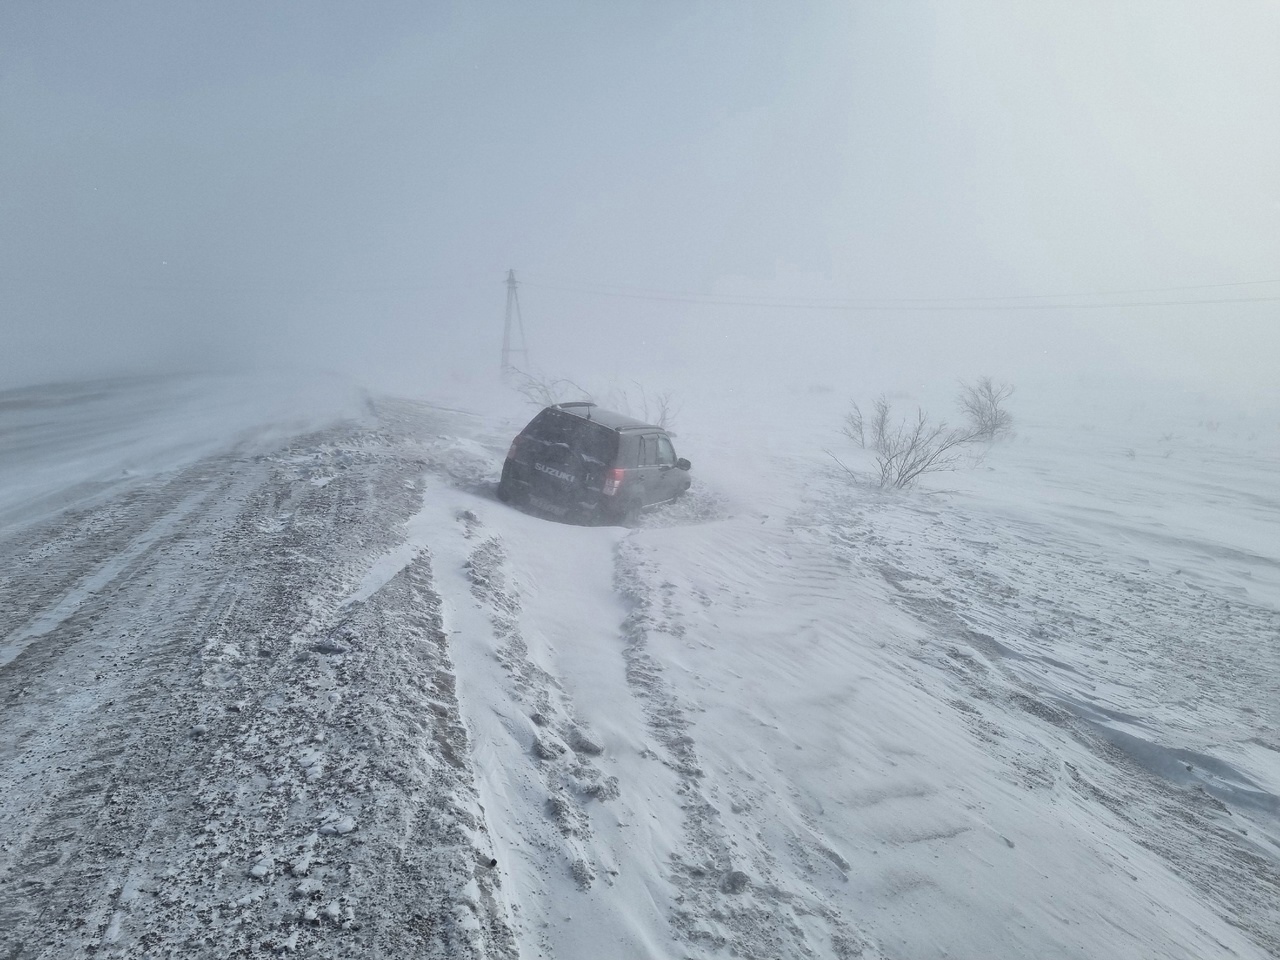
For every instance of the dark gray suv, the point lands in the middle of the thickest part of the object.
(580, 462)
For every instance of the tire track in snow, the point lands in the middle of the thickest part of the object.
(730, 899)
(56, 579)
(563, 749)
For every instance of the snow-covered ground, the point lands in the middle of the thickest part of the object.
(284, 677)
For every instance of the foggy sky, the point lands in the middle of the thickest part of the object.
(192, 184)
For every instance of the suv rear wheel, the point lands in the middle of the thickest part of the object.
(508, 490)
(624, 514)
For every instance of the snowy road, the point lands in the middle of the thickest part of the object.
(319, 693)
(205, 743)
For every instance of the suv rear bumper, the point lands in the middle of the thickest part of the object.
(517, 487)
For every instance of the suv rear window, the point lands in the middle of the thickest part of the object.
(590, 440)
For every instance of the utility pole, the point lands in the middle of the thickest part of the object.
(513, 307)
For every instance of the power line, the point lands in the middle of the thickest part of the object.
(603, 287)
(1078, 300)
(920, 304)
(281, 284)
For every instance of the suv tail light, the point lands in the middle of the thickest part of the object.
(613, 481)
(514, 449)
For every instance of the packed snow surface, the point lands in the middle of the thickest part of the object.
(281, 676)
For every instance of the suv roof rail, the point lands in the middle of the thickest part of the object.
(578, 403)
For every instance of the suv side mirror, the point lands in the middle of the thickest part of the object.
(683, 464)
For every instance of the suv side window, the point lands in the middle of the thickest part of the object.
(666, 452)
(628, 450)
(649, 450)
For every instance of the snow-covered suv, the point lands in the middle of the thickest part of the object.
(581, 462)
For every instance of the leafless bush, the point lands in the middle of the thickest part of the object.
(545, 391)
(635, 401)
(856, 427)
(853, 427)
(665, 410)
(879, 423)
(911, 449)
(660, 409)
(983, 404)
(908, 449)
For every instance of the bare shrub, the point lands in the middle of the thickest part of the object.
(665, 409)
(853, 428)
(879, 422)
(659, 408)
(546, 391)
(907, 449)
(983, 404)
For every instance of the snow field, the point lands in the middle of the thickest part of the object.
(322, 695)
